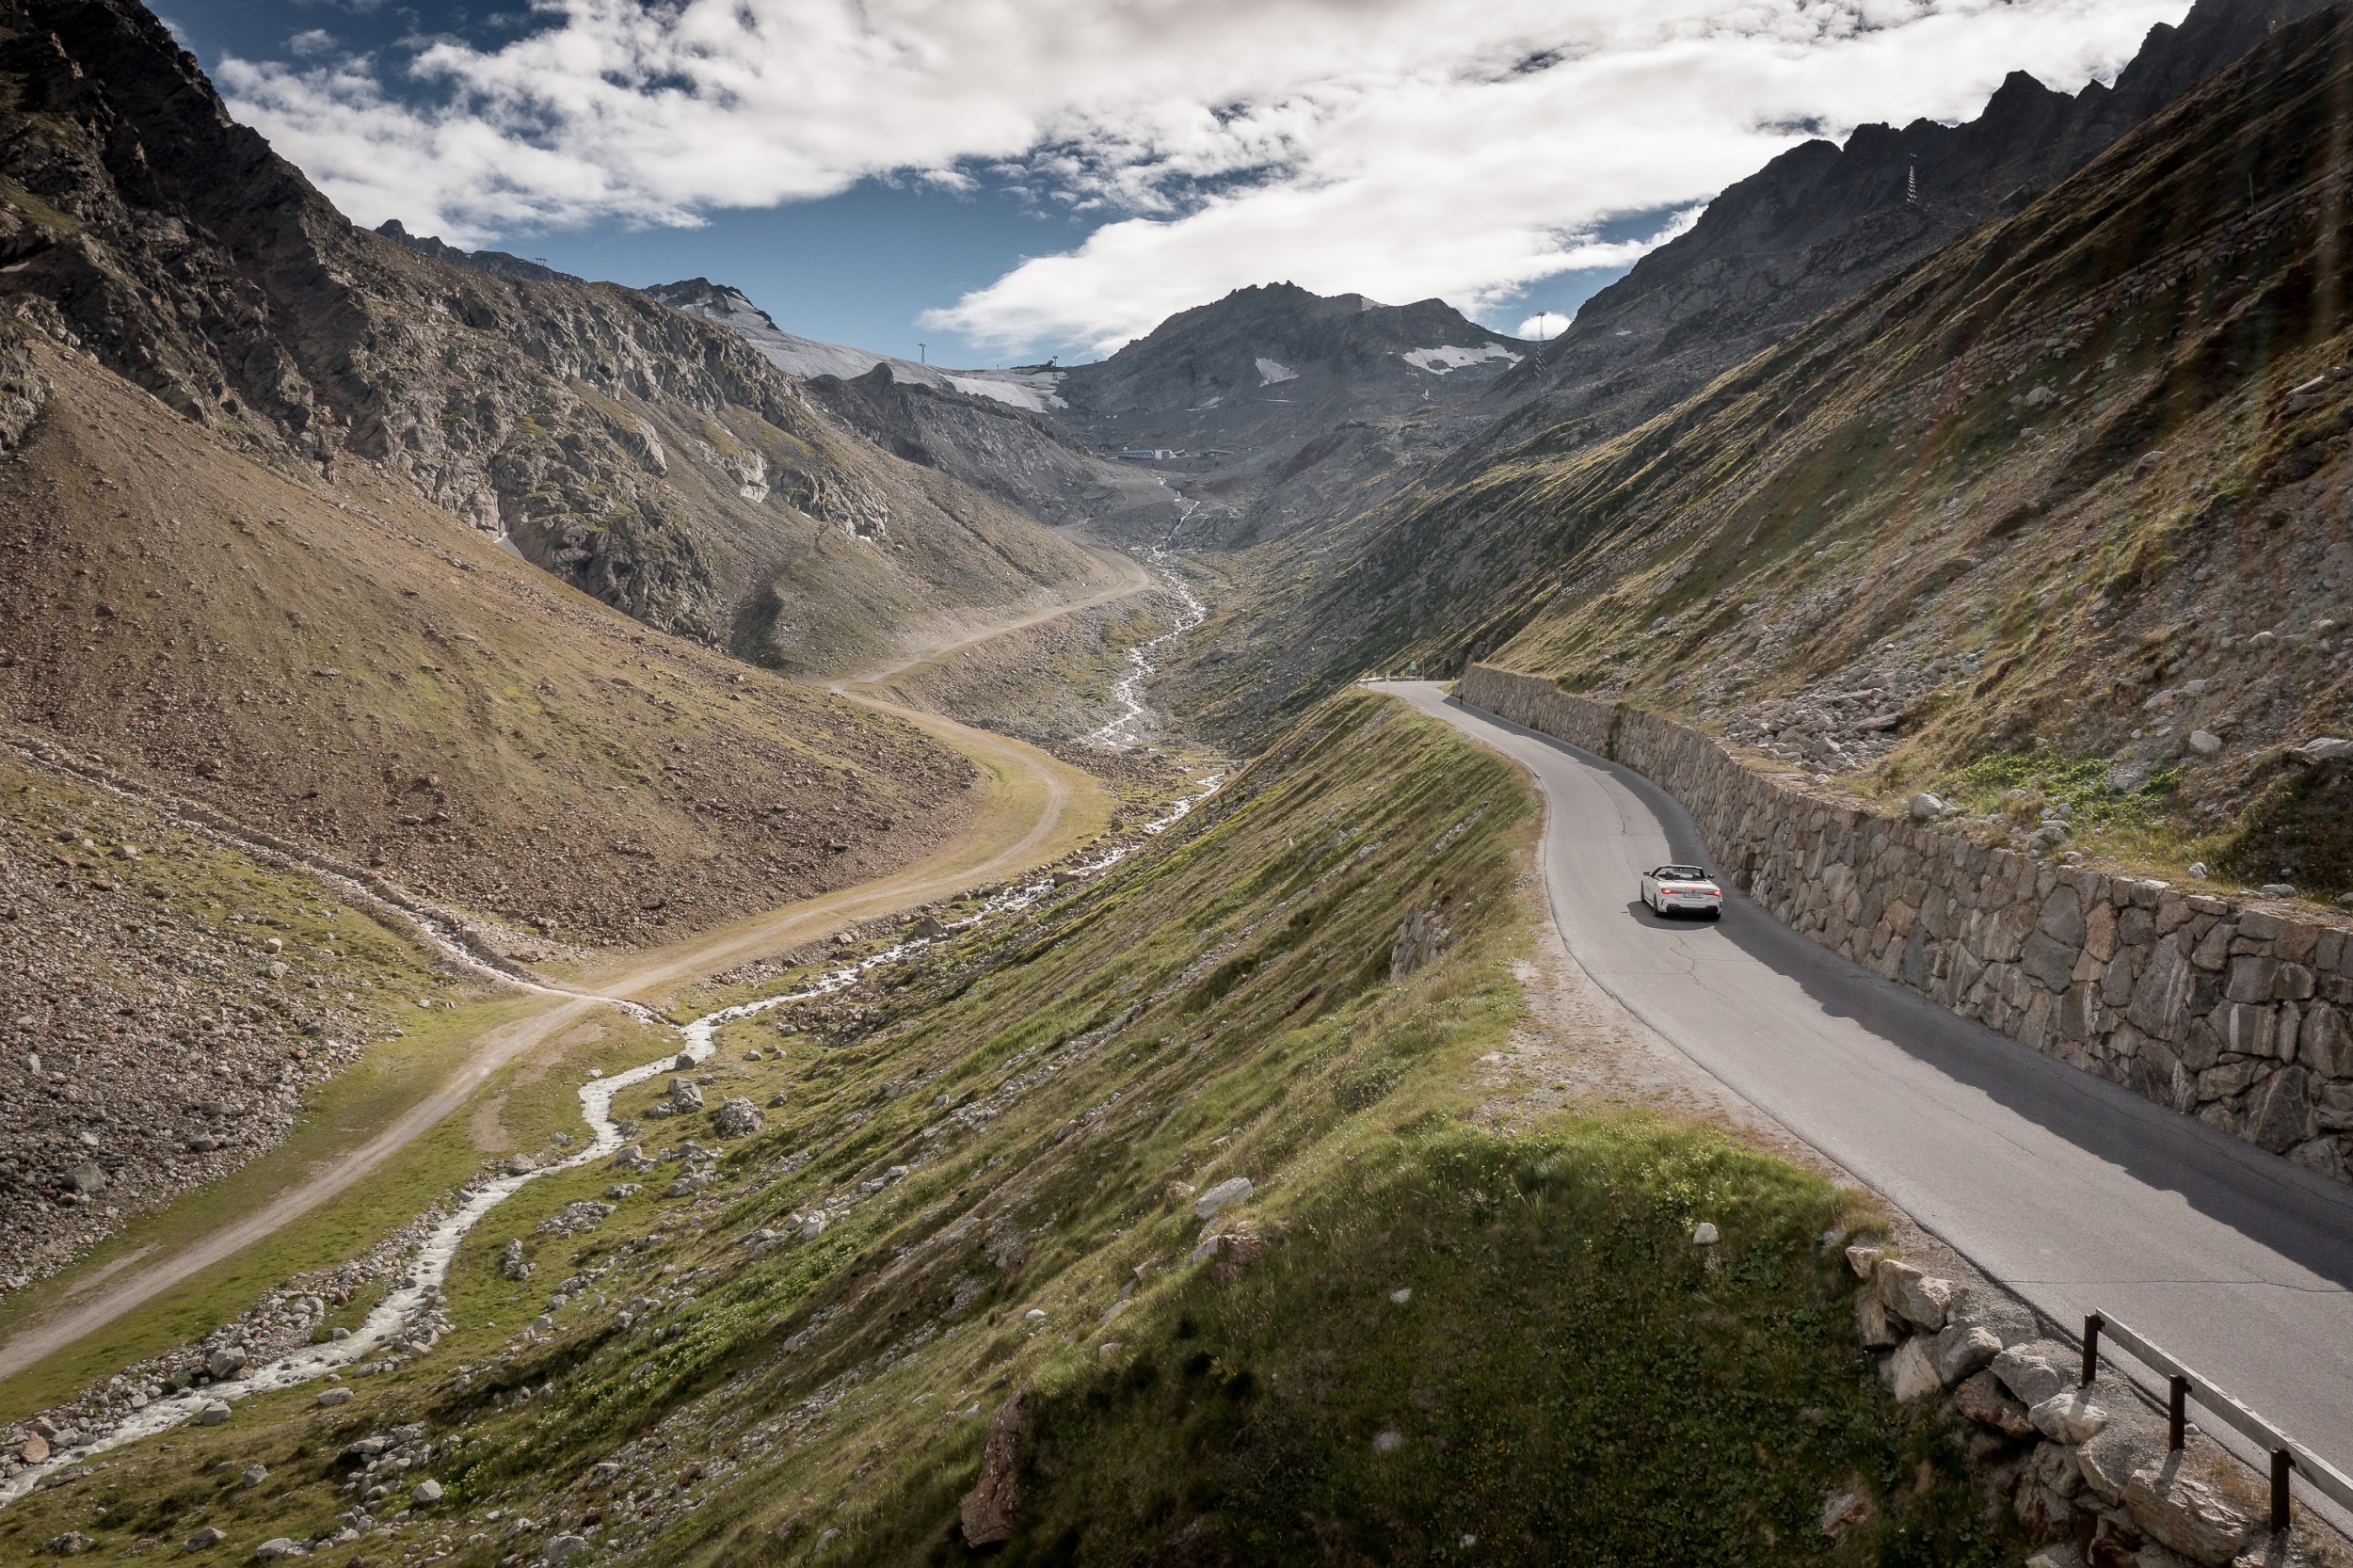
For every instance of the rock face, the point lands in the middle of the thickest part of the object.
(2226, 1013)
(1420, 938)
(992, 1508)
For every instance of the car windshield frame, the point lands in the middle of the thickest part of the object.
(1680, 873)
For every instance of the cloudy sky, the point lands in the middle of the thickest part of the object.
(1004, 179)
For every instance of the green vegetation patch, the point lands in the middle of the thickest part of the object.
(1472, 1348)
(2299, 830)
(2079, 783)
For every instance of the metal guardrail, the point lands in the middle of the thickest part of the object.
(2287, 1455)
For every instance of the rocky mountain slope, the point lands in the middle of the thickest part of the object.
(643, 454)
(1284, 403)
(499, 263)
(347, 667)
(1817, 226)
(2072, 488)
(1823, 222)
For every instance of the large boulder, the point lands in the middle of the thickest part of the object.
(227, 1361)
(685, 1095)
(737, 1118)
(1980, 1397)
(2122, 1448)
(1918, 1296)
(2069, 1415)
(1962, 1350)
(1909, 1372)
(2038, 1370)
(990, 1509)
(2186, 1513)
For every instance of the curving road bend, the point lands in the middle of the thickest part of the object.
(2076, 1193)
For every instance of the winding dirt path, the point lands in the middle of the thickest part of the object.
(1036, 806)
(1128, 577)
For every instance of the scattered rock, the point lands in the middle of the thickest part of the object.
(563, 1548)
(211, 1535)
(256, 1474)
(1925, 806)
(1704, 1235)
(685, 1096)
(512, 1264)
(227, 1361)
(214, 1412)
(1842, 1510)
(737, 1118)
(1387, 1440)
(280, 1547)
(71, 1543)
(334, 1396)
(36, 1449)
(427, 1491)
(1231, 1190)
(1865, 1260)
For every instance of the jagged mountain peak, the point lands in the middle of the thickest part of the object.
(1821, 220)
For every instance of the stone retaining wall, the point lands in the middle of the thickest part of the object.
(2239, 1018)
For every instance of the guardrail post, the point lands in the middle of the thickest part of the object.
(2281, 1465)
(2177, 1423)
(2093, 1323)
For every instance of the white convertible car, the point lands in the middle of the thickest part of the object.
(1676, 889)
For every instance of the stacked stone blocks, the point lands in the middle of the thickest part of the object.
(2239, 1016)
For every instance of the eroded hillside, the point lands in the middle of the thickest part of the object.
(351, 669)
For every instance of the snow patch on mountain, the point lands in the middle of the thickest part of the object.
(1446, 357)
(1271, 370)
(1030, 386)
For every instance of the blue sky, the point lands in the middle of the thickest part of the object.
(1004, 183)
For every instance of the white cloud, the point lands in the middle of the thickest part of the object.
(1401, 148)
(1543, 325)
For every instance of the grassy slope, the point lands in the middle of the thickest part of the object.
(172, 603)
(1565, 1360)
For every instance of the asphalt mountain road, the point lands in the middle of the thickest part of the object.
(2077, 1195)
